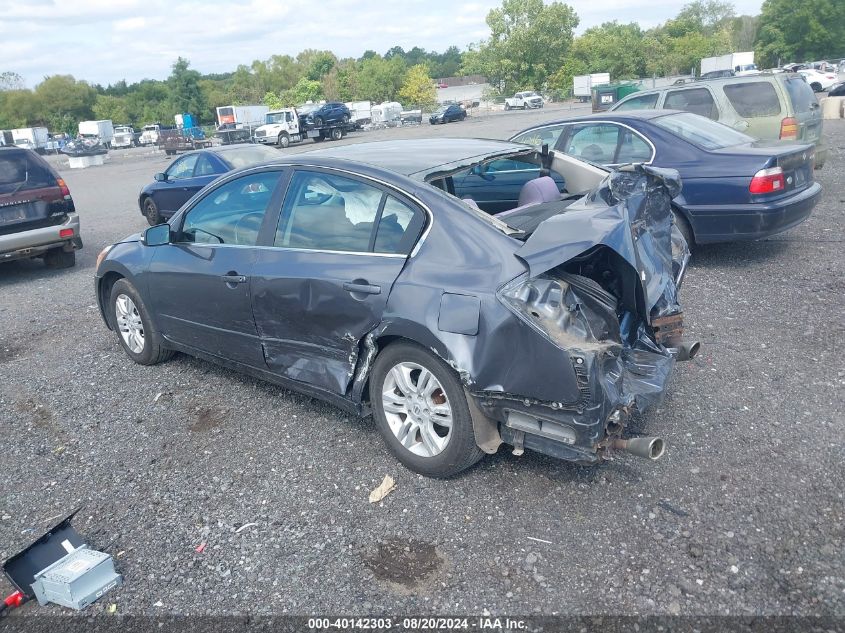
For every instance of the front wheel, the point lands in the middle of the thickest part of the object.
(151, 212)
(284, 140)
(133, 325)
(507, 106)
(318, 121)
(421, 411)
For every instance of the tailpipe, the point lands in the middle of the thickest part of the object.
(685, 350)
(647, 447)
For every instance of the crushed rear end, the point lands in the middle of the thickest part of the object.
(602, 289)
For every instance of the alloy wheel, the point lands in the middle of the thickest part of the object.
(417, 409)
(129, 323)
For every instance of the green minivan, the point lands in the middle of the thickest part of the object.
(765, 106)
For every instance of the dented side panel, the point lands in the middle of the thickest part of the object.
(311, 325)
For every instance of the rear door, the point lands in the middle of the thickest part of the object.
(339, 245)
(30, 196)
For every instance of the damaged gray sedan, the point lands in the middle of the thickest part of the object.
(466, 292)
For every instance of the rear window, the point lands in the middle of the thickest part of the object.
(753, 99)
(21, 171)
(695, 100)
(249, 155)
(703, 132)
(800, 94)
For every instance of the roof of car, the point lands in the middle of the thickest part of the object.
(645, 115)
(415, 157)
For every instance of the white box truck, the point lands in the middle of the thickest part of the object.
(102, 130)
(740, 64)
(34, 138)
(582, 85)
(241, 116)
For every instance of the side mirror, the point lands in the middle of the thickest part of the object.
(160, 177)
(157, 235)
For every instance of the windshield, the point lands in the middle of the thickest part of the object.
(701, 131)
(149, 128)
(249, 155)
(309, 107)
(274, 117)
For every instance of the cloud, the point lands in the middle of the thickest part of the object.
(103, 41)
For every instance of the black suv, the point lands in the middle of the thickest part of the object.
(37, 215)
(328, 113)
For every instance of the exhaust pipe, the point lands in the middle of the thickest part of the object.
(685, 350)
(647, 447)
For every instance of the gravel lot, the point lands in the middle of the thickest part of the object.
(743, 516)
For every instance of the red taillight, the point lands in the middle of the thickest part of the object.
(767, 181)
(66, 233)
(789, 129)
(63, 187)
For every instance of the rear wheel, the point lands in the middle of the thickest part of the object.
(60, 258)
(421, 410)
(133, 326)
(337, 134)
(151, 212)
(345, 118)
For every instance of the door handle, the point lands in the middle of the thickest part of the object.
(361, 288)
(233, 279)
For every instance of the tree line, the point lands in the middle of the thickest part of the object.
(531, 46)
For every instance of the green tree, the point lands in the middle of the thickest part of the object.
(418, 89)
(185, 93)
(379, 79)
(796, 31)
(111, 107)
(11, 81)
(304, 90)
(61, 100)
(529, 41)
(701, 16)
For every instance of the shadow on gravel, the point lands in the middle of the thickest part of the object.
(26, 270)
(737, 254)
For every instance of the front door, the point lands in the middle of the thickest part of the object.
(200, 283)
(339, 245)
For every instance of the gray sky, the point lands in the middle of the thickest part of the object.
(103, 41)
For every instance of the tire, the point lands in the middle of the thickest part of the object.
(319, 139)
(684, 228)
(284, 140)
(344, 119)
(135, 319)
(816, 86)
(318, 121)
(507, 107)
(151, 212)
(57, 258)
(337, 134)
(431, 453)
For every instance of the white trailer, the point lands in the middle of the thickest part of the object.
(387, 112)
(34, 138)
(102, 130)
(242, 116)
(740, 64)
(361, 111)
(582, 85)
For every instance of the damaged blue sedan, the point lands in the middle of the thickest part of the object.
(366, 276)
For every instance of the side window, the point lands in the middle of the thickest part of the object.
(182, 168)
(231, 213)
(633, 148)
(328, 212)
(645, 102)
(539, 136)
(204, 166)
(595, 143)
(398, 227)
(753, 99)
(695, 100)
(510, 164)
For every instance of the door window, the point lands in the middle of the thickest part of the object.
(632, 148)
(695, 100)
(182, 168)
(231, 213)
(540, 136)
(753, 99)
(329, 212)
(204, 166)
(594, 143)
(645, 102)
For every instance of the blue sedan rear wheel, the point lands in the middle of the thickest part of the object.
(151, 212)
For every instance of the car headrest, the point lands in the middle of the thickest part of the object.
(538, 191)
